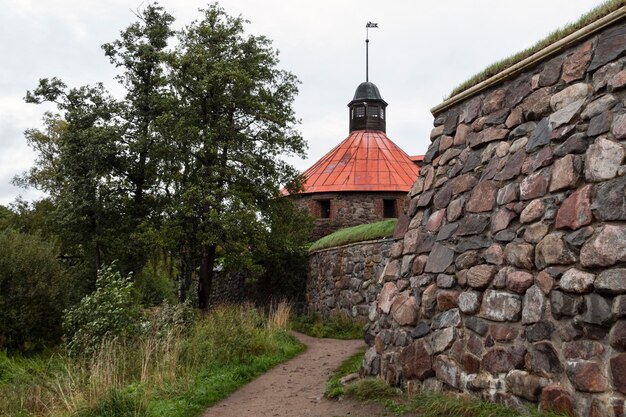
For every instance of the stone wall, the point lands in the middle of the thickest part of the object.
(228, 287)
(345, 279)
(349, 209)
(510, 282)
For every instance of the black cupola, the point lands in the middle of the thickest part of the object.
(367, 109)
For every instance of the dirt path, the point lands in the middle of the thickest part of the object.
(295, 388)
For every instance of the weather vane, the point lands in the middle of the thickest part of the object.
(368, 25)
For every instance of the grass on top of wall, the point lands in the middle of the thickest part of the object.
(497, 67)
(355, 234)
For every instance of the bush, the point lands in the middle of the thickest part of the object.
(32, 292)
(109, 312)
(175, 317)
(155, 285)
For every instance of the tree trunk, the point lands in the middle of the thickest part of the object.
(98, 256)
(206, 275)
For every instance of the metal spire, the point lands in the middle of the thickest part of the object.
(368, 25)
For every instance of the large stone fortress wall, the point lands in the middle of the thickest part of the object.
(510, 282)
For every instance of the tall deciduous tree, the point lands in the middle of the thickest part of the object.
(140, 53)
(189, 161)
(234, 118)
(101, 160)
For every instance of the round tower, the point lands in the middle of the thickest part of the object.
(363, 179)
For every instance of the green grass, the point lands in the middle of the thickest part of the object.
(355, 234)
(497, 67)
(434, 404)
(431, 404)
(368, 389)
(178, 375)
(337, 326)
(334, 388)
(422, 404)
(218, 382)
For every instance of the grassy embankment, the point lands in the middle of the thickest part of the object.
(171, 374)
(355, 234)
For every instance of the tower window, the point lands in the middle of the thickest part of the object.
(372, 111)
(382, 113)
(360, 112)
(389, 209)
(324, 206)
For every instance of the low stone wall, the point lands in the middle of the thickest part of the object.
(345, 278)
(510, 282)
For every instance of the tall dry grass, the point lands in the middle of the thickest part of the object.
(62, 386)
(279, 315)
(152, 361)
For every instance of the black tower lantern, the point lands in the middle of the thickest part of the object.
(367, 109)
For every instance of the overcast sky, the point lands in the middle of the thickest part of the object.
(419, 53)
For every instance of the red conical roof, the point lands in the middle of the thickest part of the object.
(367, 160)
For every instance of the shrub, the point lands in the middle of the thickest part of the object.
(32, 292)
(110, 311)
(155, 285)
(154, 374)
(174, 317)
(228, 334)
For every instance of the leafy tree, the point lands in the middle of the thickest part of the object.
(31, 218)
(32, 292)
(234, 118)
(141, 53)
(73, 164)
(187, 165)
(6, 216)
(101, 160)
(282, 253)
